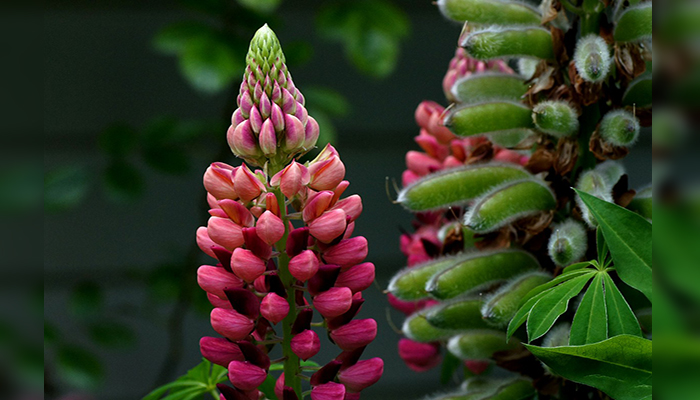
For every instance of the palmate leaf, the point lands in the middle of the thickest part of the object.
(198, 381)
(621, 319)
(619, 366)
(590, 323)
(628, 236)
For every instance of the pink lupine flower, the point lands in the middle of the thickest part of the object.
(356, 278)
(355, 334)
(328, 391)
(225, 232)
(246, 265)
(274, 308)
(317, 205)
(270, 228)
(304, 265)
(306, 344)
(291, 179)
(215, 279)
(361, 375)
(218, 180)
(419, 356)
(220, 351)
(348, 252)
(245, 375)
(247, 185)
(328, 226)
(231, 324)
(333, 302)
(204, 242)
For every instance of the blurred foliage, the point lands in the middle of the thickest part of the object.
(198, 381)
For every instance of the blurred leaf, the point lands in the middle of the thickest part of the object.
(164, 283)
(326, 100)
(619, 366)
(371, 31)
(29, 363)
(65, 188)
(628, 237)
(118, 140)
(112, 334)
(79, 367)
(261, 6)
(327, 132)
(22, 188)
(298, 53)
(210, 64)
(51, 333)
(590, 324)
(449, 367)
(268, 387)
(211, 7)
(174, 38)
(164, 145)
(123, 181)
(86, 300)
(198, 381)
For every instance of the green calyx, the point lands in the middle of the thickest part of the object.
(264, 53)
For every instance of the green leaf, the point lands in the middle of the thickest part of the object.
(619, 366)
(280, 366)
(602, 248)
(327, 100)
(118, 140)
(261, 6)
(210, 64)
(576, 267)
(553, 304)
(621, 318)
(590, 323)
(198, 381)
(628, 236)
(123, 181)
(268, 387)
(174, 38)
(450, 363)
(79, 367)
(112, 334)
(86, 300)
(65, 188)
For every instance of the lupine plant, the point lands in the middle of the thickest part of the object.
(530, 254)
(281, 238)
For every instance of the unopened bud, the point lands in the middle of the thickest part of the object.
(568, 243)
(619, 128)
(274, 308)
(556, 118)
(592, 58)
(305, 344)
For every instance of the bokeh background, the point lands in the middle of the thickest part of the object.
(137, 97)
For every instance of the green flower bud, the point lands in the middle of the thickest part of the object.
(477, 88)
(634, 24)
(457, 186)
(509, 42)
(555, 117)
(478, 270)
(417, 328)
(482, 118)
(592, 58)
(265, 52)
(480, 344)
(568, 243)
(509, 203)
(500, 12)
(501, 305)
(619, 128)
(459, 314)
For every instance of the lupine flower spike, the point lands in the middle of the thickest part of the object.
(270, 277)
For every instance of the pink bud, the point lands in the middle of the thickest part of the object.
(355, 334)
(265, 106)
(237, 117)
(260, 284)
(304, 265)
(220, 351)
(274, 308)
(257, 92)
(218, 181)
(438, 129)
(279, 386)
(327, 174)
(270, 228)
(268, 138)
(352, 205)
(421, 163)
(306, 344)
(361, 375)
(328, 391)
(333, 302)
(246, 265)
(451, 162)
(317, 205)
(291, 179)
(219, 302)
(231, 324)
(246, 376)
(430, 145)
(477, 367)
(276, 96)
(237, 212)
(242, 140)
(204, 241)
(408, 177)
(424, 110)
(301, 113)
(247, 185)
(294, 132)
(289, 104)
(419, 356)
(277, 118)
(328, 226)
(245, 102)
(215, 279)
(311, 133)
(347, 253)
(225, 233)
(255, 119)
(357, 278)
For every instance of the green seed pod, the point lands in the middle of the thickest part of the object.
(499, 307)
(556, 118)
(634, 24)
(457, 186)
(511, 138)
(594, 183)
(483, 118)
(509, 42)
(458, 314)
(527, 67)
(592, 58)
(480, 344)
(417, 328)
(642, 203)
(501, 12)
(639, 92)
(611, 171)
(520, 389)
(479, 269)
(619, 128)
(409, 283)
(568, 243)
(508, 203)
(477, 88)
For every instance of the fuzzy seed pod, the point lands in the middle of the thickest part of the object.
(508, 42)
(619, 128)
(592, 58)
(500, 306)
(556, 118)
(480, 344)
(593, 183)
(568, 243)
(501, 12)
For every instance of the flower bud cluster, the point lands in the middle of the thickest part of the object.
(282, 241)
